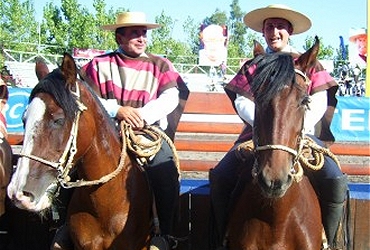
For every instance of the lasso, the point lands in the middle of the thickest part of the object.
(307, 147)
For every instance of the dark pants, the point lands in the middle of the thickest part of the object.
(164, 179)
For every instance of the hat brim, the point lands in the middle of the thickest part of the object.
(353, 38)
(255, 19)
(113, 27)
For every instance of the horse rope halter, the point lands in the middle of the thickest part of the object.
(306, 146)
(65, 163)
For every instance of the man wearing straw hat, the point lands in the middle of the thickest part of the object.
(140, 88)
(277, 23)
(359, 57)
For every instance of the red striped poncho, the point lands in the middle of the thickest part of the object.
(135, 81)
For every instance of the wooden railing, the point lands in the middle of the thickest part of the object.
(210, 126)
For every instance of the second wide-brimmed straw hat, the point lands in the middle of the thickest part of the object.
(129, 19)
(255, 18)
(357, 33)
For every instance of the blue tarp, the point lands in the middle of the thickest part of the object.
(358, 191)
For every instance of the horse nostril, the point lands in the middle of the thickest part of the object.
(265, 182)
(29, 195)
(290, 178)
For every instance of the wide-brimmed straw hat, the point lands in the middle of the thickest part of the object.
(255, 18)
(129, 19)
(357, 33)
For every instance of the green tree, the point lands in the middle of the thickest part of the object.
(193, 40)
(218, 17)
(162, 42)
(72, 25)
(161, 39)
(325, 52)
(18, 28)
(103, 39)
(237, 31)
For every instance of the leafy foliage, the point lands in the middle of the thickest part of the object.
(72, 25)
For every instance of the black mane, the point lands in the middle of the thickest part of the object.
(54, 84)
(273, 72)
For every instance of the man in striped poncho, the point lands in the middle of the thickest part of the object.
(140, 88)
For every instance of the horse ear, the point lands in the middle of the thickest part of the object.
(257, 48)
(41, 68)
(306, 60)
(69, 69)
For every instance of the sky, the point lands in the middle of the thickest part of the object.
(330, 18)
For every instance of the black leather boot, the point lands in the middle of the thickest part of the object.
(164, 180)
(220, 198)
(332, 197)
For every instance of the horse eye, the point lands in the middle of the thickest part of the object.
(58, 122)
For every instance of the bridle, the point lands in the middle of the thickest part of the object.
(296, 170)
(65, 163)
(306, 145)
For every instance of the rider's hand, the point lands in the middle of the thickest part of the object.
(131, 116)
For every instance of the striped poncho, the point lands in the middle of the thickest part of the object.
(320, 80)
(135, 81)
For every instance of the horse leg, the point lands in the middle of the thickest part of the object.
(87, 234)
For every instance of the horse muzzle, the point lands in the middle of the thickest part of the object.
(272, 185)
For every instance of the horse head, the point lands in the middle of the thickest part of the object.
(280, 89)
(59, 131)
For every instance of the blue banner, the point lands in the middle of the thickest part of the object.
(17, 103)
(351, 119)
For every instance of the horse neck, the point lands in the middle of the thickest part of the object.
(105, 144)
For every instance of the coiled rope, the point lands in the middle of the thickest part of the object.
(309, 155)
(146, 142)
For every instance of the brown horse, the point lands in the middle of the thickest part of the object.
(6, 168)
(279, 208)
(6, 164)
(68, 132)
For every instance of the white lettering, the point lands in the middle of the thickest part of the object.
(353, 119)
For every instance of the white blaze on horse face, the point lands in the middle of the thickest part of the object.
(33, 115)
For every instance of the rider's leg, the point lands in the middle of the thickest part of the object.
(332, 196)
(164, 179)
(331, 187)
(224, 190)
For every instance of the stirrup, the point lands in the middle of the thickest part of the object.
(162, 242)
